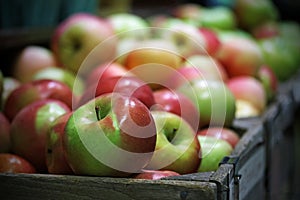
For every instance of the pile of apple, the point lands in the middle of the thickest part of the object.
(124, 96)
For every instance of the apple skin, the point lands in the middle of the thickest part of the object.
(29, 129)
(248, 89)
(5, 144)
(55, 157)
(155, 174)
(75, 37)
(213, 151)
(175, 102)
(11, 163)
(221, 133)
(126, 85)
(269, 81)
(9, 84)
(213, 99)
(110, 124)
(34, 91)
(240, 56)
(177, 147)
(63, 75)
(266, 30)
(106, 71)
(251, 13)
(30, 60)
(212, 40)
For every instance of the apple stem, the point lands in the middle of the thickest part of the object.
(97, 109)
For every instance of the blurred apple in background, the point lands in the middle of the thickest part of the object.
(11, 163)
(55, 155)
(213, 151)
(250, 96)
(34, 91)
(9, 84)
(212, 41)
(29, 129)
(5, 144)
(128, 25)
(222, 133)
(177, 147)
(240, 56)
(62, 75)
(269, 81)
(177, 103)
(111, 135)
(213, 99)
(75, 38)
(106, 71)
(155, 174)
(125, 85)
(267, 29)
(251, 13)
(30, 60)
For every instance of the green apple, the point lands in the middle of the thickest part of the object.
(111, 135)
(213, 151)
(9, 84)
(214, 100)
(219, 17)
(62, 75)
(177, 149)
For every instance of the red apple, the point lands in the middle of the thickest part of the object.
(105, 71)
(240, 56)
(155, 174)
(29, 129)
(5, 144)
(111, 135)
(75, 38)
(11, 163)
(55, 155)
(30, 60)
(269, 80)
(248, 89)
(177, 103)
(126, 85)
(36, 90)
(212, 41)
(221, 133)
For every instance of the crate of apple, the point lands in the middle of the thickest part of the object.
(124, 106)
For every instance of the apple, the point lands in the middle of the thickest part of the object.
(29, 129)
(127, 25)
(11, 163)
(79, 34)
(210, 66)
(55, 157)
(283, 63)
(106, 71)
(251, 13)
(5, 144)
(186, 37)
(213, 99)
(62, 75)
(177, 146)
(213, 151)
(212, 41)
(249, 89)
(111, 135)
(155, 174)
(240, 56)
(30, 60)
(34, 91)
(222, 133)
(125, 85)
(218, 17)
(269, 81)
(267, 29)
(9, 84)
(188, 11)
(174, 102)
